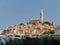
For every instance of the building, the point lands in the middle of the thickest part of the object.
(41, 16)
(40, 20)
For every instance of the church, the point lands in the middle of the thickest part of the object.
(40, 20)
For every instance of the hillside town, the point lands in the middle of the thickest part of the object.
(33, 27)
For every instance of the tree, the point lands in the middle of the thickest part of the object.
(47, 23)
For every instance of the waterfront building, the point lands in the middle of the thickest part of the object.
(1, 31)
(32, 27)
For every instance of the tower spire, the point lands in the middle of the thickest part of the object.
(41, 15)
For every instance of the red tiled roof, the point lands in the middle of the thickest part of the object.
(33, 21)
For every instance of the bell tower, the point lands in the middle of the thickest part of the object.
(41, 16)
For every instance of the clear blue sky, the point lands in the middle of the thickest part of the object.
(21, 11)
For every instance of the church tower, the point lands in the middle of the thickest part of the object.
(41, 16)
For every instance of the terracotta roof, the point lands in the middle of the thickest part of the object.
(33, 21)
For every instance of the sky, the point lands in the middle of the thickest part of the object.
(14, 12)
